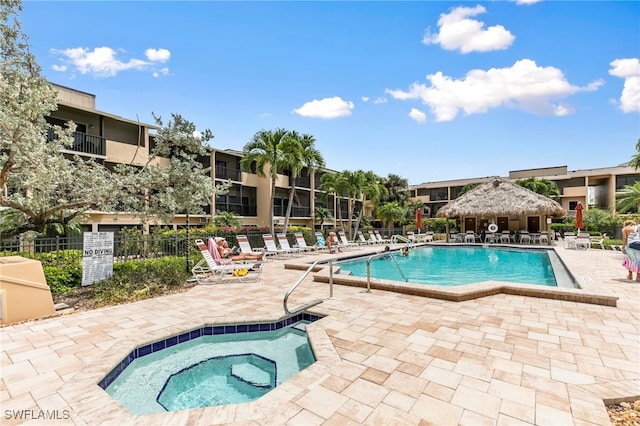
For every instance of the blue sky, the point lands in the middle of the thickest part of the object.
(427, 90)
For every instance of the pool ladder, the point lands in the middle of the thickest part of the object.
(296, 284)
(375, 256)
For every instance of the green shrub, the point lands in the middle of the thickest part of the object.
(61, 280)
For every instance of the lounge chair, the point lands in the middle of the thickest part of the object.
(284, 245)
(525, 238)
(598, 241)
(245, 247)
(380, 239)
(213, 269)
(363, 241)
(270, 246)
(505, 237)
(373, 237)
(321, 243)
(344, 242)
(301, 244)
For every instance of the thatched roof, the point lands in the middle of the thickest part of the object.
(499, 197)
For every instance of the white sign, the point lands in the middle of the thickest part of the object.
(97, 257)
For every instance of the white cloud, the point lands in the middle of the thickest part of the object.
(458, 32)
(326, 108)
(524, 85)
(104, 61)
(629, 69)
(365, 99)
(527, 2)
(417, 115)
(163, 71)
(60, 68)
(380, 100)
(157, 55)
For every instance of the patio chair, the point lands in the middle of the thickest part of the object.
(284, 245)
(598, 241)
(301, 244)
(270, 246)
(373, 238)
(321, 244)
(543, 239)
(213, 269)
(245, 246)
(344, 242)
(583, 241)
(525, 238)
(363, 241)
(380, 239)
(505, 237)
(470, 237)
(427, 237)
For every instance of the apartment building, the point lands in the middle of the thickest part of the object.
(112, 140)
(593, 188)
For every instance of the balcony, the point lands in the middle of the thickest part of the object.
(295, 211)
(83, 143)
(239, 209)
(228, 173)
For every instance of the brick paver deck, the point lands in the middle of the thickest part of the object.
(383, 357)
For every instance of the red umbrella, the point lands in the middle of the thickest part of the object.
(419, 218)
(579, 208)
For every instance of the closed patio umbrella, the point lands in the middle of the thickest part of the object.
(579, 223)
(419, 219)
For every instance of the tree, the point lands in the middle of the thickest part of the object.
(42, 187)
(540, 186)
(628, 198)
(226, 219)
(635, 161)
(391, 213)
(183, 186)
(468, 187)
(371, 189)
(320, 214)
(334, 184)
(396, 189)
(298, 152)
(265, 150)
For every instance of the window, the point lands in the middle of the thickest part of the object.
(572, 205)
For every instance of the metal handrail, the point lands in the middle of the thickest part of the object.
(373, 256)
(293, 287)
(395, 238)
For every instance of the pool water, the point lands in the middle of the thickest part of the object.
(212, 370)
(460, 265)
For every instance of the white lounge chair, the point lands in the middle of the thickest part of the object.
(301, 244)
(284, 245)
(380, 239)
(470, 237)
(215, 270)
(321, 243)
(344, 242)
(583, 241)
(270, 246)
(363, 241)
(373, 237)
(505, 237)
(245, 247)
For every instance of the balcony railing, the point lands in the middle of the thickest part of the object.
(84, 143)
(295, 211)
(228, 173)
(239, 209)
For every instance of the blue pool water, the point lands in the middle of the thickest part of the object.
(453, 266)
(212, 370)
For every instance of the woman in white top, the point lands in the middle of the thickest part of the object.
(631, 256)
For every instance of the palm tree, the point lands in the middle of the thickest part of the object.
(371, 190)
(635, 161)
(265, 151)
(628, 198)
(334, 184)
(468, 187)
(396, 189)
(391, 212)
(298, 151)
(320, 214)
(540, 186)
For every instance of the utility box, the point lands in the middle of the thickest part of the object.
(24, 293)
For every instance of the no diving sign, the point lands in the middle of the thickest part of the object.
(97, 257)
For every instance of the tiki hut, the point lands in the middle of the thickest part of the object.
(507, 205)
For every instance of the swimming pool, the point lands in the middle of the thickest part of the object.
(460, 265)
(215, 366)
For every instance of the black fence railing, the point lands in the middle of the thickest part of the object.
(59, 251)
(84, 143)
(228, 173)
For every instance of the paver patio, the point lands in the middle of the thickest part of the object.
(383, 357)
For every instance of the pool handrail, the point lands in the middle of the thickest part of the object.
(373, 256)
(396, 238)
(293, 287)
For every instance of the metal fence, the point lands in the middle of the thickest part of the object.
(58, 250)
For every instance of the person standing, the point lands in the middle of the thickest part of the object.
(631, 234)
